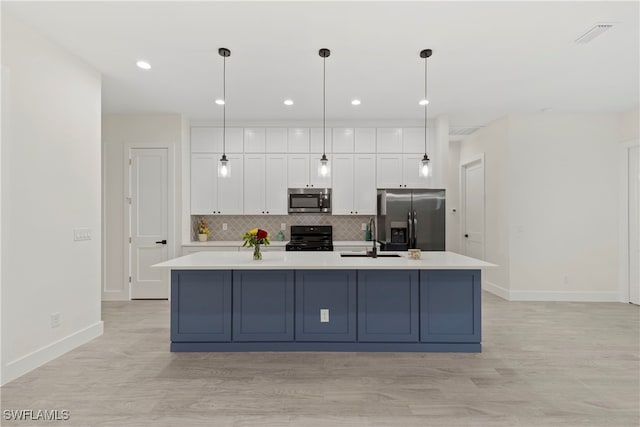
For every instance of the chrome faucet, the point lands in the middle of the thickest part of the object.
(372, 227)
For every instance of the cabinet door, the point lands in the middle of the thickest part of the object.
(387, 306)
(342, 140)
(254, 185)
(315, 180)
(204, 184)
(389, 140)
(206, 140)
(365, 140)
(411, 171)
(342, 194)
(276, 141)
(263, 305)
(254, 140)
(276, 184)
(298, 170)
(298, 140)
(330, 290)
(315, 140)
(389, 171)
(413, 140)
(450, 306)
(365, 193)
(200, 306)
(235, 140)
(230, 189)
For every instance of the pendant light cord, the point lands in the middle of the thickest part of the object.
(324, 106)
(224, 106)
(425, 106)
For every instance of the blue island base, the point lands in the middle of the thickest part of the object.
(327, 346)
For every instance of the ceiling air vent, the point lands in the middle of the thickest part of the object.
(592, 33)
(463, 130)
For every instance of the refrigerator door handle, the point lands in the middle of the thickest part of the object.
(410, 235)
(415, 228)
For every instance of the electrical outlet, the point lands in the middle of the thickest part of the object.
(283, 226)
(55, 320)
(324, 315)
(224, 226)
(363, 226)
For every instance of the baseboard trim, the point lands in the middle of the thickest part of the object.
(564, 296)
(35, 359)
(496, 290)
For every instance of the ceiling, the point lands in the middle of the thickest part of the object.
(490, 58)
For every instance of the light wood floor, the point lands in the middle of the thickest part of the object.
(543, 364)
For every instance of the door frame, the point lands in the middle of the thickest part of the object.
(624, 281)
(478, 158)
(171, 211)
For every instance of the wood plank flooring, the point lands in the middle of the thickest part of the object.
(543, 364)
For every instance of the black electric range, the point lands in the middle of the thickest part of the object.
(310, 238)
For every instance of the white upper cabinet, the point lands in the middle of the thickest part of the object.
(316, 140)
(342, 140)
(254, 175)
(365, 140)
(298, 140)
(276, 140)
(343, 190)
(298, 170)
(265, 184)
(234, 141)
(254, 140)
(365, 200)
(276, 184)
(389, 140)
(315, 180)
(389, 171)
(413, 140)
(206, 140)
(411, 171)
(230, 189)
(204, 184)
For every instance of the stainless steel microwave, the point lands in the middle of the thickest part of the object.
(309, 200)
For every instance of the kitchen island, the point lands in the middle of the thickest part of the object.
(321, 301)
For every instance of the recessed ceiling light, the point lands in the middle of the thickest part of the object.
(355, 102)
(288, 102)
(144, 65)
(220, 101)
(423, 102)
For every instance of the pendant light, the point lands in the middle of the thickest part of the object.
(224, 169)
(324, 171)
(424, 163)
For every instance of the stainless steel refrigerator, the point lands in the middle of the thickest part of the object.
(411, 219)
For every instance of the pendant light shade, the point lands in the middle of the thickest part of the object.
(224, 169)
(424, 163)
(324, 169)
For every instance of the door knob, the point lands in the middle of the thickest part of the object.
(466, 235)
(164, 242)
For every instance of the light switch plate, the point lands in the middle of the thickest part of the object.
(324, 315)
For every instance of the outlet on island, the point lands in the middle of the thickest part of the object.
(324, 315)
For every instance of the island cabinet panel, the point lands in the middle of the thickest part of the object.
(200, 306)
(334, 291)
(388, 306)
(263, 305)
(450, 306)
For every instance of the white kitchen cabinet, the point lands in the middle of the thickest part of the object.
(315, 138)
(209, 140)
(303, 171)
(389, 171)
(265, 184)
(213, 195)
(276, 140)
(389, 140)
(298, 140)
(413, 140)
(411, 172)
(254, 140)
(342, 140)
(365, 140)
(354, 189)
(204, 183)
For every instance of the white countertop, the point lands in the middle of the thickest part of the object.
(276, 243)
(234, 260)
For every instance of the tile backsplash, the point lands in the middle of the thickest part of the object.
(345, 227)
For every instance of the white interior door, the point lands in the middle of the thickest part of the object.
(149, 181)
(473, 208)
(634, 225)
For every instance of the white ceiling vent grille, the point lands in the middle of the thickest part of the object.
(463, 130)
(593, 32)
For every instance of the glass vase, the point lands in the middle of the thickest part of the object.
(257, 255)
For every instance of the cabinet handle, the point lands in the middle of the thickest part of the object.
(466, 235)
(352, 212)
(356, 212)
(267, 211)
(262, 211)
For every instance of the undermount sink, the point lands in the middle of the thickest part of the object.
(369, 256)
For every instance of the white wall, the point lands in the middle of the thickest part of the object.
(117, 131)
(50, 185)
(629, 126)
(453, 197)
(493, 141)
(563, 198)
